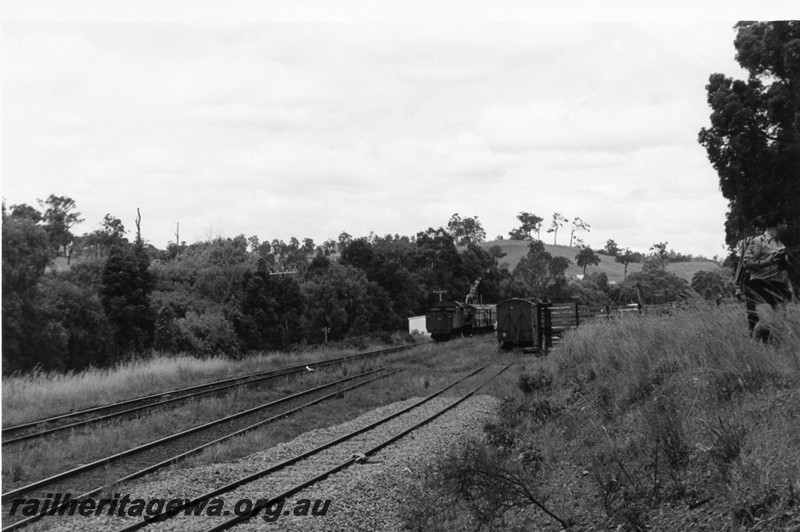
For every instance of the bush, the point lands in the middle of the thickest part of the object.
(657, 287)
(713, 285)
(205, 334)
(79, 313)
(536, 380)
(481, 483)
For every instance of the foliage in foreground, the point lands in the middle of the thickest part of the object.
(657, 423)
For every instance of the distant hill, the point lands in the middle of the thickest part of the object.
(516, 249)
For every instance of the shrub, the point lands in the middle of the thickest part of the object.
(727, 439)
(537, 380)
(483, 483)
(205, 334)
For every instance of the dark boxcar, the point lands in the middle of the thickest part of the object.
(445, 320)
(521, 323)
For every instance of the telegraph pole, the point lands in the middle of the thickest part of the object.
(440, 292)
(326, 330)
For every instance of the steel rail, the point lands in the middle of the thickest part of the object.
(290, 461)
(221, 385)
(174, 459)
(155, 443)
(303, 485)
(93, 409)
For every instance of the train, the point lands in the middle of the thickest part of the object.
(524, 323)
(531, 324)
(449, 319)
(536, 325)
(518, 322)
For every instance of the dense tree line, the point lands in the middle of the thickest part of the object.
(223, 295)
(122, 298)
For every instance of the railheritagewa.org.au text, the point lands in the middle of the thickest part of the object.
(63, 504)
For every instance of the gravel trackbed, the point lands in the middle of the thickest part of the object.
(365, 496)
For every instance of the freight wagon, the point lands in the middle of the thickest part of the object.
(523, 323)
(448, 319)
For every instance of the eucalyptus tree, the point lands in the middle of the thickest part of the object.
(59, 216)
(558, 221)
(587, 257)
(539, 274)
(577, 225)
(27, 339)
(625, 257)
(466, 230)
(753, 141)
(612, 248)
(529, 222)
(659, 256)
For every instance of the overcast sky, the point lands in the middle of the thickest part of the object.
(309, 121)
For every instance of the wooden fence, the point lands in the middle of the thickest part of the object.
(566, 316)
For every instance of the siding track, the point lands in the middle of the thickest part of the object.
(295, 474)
(93, 478)
(82, 418)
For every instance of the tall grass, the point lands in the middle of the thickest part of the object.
(688, 406)
(635, 422)
(38, 395)
(39, 459)
(425, 368)
(708, 346)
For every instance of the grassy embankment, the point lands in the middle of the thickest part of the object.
(425, 369)
(677, 422)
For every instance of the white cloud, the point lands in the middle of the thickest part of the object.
(586, 124)
(302, 129)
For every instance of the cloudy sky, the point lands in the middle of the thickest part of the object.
(309, 121)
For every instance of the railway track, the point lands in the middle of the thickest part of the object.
(27, 432)
(293, 475)
(93, 478)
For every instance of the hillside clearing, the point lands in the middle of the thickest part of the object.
(516, 249)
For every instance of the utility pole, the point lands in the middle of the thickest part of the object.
(326, 330)
(440, 292)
